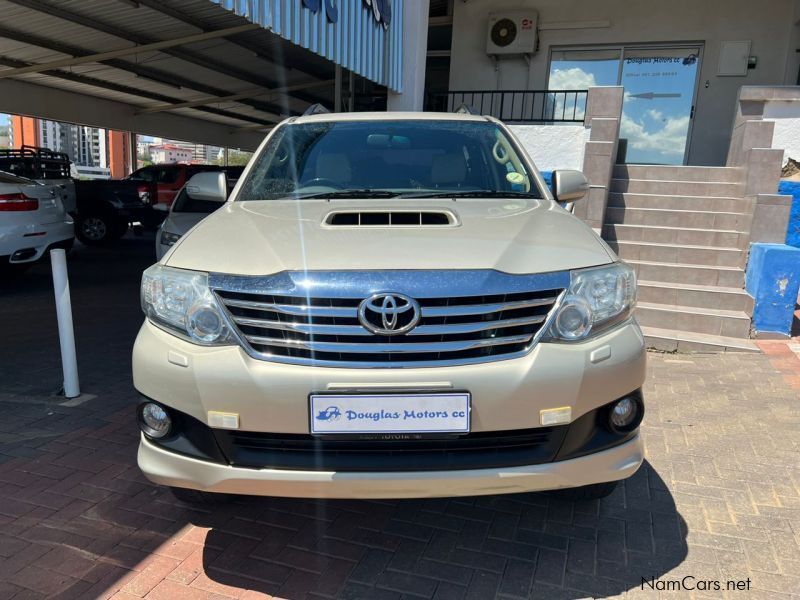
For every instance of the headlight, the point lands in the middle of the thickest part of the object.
(597, 298)
(168, 238)
(181, 301)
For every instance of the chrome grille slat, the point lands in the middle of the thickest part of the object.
(322, 329)
(465, 317)
(418, 347)
(296, 309)
(307, 328)
(480, 309)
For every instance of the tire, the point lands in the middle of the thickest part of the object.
(97, 229)
(587, 493)
(198, 498)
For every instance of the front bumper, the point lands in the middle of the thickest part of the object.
(168, 468)
(273, 397)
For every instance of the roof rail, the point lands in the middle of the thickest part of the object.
(316, 109)
(466, 109)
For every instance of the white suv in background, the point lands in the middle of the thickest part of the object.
(32, 220)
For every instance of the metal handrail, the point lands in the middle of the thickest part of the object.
(518, 106)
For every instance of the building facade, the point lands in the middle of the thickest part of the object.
(681, 63)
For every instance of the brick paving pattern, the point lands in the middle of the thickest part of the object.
(717, 499)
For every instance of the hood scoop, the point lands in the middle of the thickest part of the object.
(390, 218)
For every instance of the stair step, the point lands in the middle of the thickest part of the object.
(679, 188)
(689, 219)
(676, 235)
(688, 273)
(694, 295)
(680, 173)
(728, 323)
(671, 340)
(676, 253)
(669, 202)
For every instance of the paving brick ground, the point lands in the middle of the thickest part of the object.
(718, 498)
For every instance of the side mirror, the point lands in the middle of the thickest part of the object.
(211, 186)
(569, 185)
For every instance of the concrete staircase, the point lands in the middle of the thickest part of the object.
(686, 232)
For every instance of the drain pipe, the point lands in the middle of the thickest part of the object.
(66, 334)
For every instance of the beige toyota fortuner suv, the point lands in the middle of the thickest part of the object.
(389, 305)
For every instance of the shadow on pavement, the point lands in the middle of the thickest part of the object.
(522, 545)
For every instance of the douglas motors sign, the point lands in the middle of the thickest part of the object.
(381, 10)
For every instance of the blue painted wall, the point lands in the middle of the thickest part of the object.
(792, 188)
(773, 280)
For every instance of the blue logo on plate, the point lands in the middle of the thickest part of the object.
(332, 413)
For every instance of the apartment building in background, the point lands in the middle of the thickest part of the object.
(87, 147)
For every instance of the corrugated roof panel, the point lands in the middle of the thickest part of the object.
(366, 42)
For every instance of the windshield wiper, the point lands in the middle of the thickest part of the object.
(472, 194)
(362, 193)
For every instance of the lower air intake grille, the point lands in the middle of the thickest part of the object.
(483, 450)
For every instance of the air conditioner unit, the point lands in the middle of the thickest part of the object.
(512, 32)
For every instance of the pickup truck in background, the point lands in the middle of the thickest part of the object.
(166, 180)
(103, 209)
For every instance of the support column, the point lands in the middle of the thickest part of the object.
(603, 115)
(415, 49)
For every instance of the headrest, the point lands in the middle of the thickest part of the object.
(448, 168)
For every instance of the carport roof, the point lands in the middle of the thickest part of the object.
(183, 57)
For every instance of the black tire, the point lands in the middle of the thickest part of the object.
(99, 229)
(587, 493)
(198, 498)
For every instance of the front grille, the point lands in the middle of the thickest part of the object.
(451, 330)
(484, 450)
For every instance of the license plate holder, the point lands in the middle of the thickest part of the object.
(390, 413)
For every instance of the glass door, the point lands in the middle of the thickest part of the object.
(657, 111)
(660, 86)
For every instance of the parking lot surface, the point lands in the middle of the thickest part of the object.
(718, 498)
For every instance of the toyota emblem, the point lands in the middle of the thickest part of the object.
(389, 314)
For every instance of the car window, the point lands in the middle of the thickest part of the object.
(401, 156)
(144, 174)
(168, 174)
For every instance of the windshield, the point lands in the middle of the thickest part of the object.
(422, 158)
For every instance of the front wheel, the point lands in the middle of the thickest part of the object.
(99, 229)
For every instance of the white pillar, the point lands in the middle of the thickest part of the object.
(66, 335)
(415, 48)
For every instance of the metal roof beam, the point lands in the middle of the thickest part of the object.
(160, 7)
(183, 54)
(251, 93)
(21, 97)
(101, 56)
(157, 75)
(116, 87)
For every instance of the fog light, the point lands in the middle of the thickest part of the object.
(625, 415)
(154, 420)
